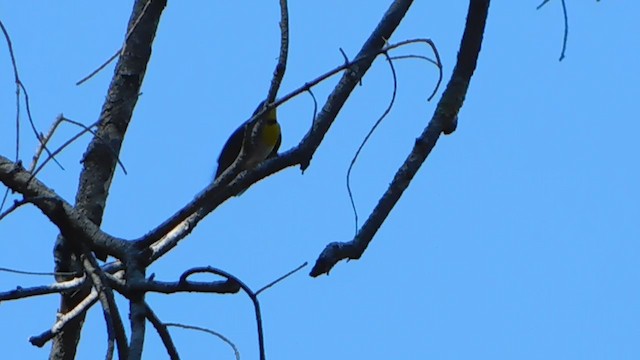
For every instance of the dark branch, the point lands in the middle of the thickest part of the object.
(161, 328)
(21, 293)
(444, 120)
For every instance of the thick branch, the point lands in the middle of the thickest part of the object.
(100, 159)
(444, 120)
(70, 221)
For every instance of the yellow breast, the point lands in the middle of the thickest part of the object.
(270, 134)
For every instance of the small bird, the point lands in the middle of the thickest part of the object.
(266, 133)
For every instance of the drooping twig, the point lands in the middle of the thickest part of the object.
(565, 16)
(366, 138)
(208, 331)
(444, 120)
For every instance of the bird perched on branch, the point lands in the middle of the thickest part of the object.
(264, 143)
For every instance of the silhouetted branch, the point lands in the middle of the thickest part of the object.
(208, 331)
(55, 288)
(444, 120)
(115, 329)
(281, 67)
(281, 278)
(63, 319)
(20, 86)
(565, 16)
(161, 328)
(69, 220)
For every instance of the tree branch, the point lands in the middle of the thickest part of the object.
(58, 287)
(100, 158)
(444, 120)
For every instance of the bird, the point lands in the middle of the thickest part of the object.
(267, 135)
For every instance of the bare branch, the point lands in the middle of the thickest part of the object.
(69, 220)
(63, 319)
(115, 329)
(86, 129)
(281, 67)
(19, 86)
(161, 328)
(245, 288)
(43, 142)
(55, 288)
(168, 287)
(444, 120)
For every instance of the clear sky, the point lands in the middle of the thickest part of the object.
(518, 239)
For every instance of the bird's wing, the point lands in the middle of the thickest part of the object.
(231, 150)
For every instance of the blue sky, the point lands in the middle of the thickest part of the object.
(518, 238)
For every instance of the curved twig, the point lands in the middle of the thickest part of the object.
(208, 331)
(245, 288)
(442, 121)
(565, 16)
(366, 139)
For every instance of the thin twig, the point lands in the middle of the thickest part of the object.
(565, 15)
(208, 331)
(39, 273)
(4, 198)
(44, 141)
(17, 82)
(120, 50)
(281, 278)
(366, 139)
(75, 137)
(111, 150)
